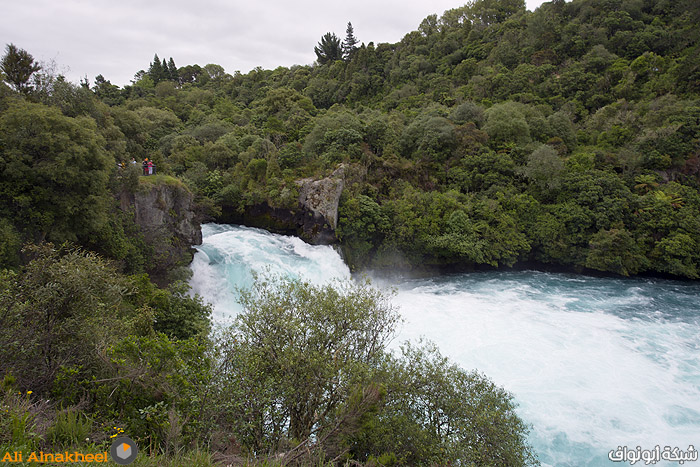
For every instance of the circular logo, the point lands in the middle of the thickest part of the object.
(124, 450)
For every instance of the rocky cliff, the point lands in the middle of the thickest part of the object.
(314, 219)
(166, 214)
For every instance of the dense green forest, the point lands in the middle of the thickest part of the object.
(490, 136)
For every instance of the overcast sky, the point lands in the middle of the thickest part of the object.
(117, 38)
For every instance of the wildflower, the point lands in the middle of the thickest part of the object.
(29, 392)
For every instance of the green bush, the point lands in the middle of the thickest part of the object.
(436, 413)
(305, 376)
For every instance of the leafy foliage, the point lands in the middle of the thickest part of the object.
(437, 413)
(488, 136)
(54, 172)
(312, 345)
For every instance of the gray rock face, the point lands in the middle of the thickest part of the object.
(321, 197)
(168, 210)
(169, 222)
(314, 220)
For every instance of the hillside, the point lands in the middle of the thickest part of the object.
(489, 136)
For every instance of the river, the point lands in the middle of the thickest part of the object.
(594, 363)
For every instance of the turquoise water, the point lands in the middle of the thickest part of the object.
(594, 363)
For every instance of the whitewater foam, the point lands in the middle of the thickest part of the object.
(231, 256)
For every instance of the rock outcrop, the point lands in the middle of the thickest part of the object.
(167, 217)
(314, 219)
(321, 197)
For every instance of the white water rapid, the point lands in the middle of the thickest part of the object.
(594, 363)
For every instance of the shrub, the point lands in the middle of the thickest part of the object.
(305, 377)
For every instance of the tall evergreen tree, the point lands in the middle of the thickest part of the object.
(155, 71)
(172, 70)
(18, 66)
(350, 43)
(329, 49)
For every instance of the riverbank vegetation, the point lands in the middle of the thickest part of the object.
(302, 377)
(490, 136)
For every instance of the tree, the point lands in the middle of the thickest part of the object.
(329, 49)
(156, 71)
(615, 250)
(106, 91)
(189, 74)
(305, 375)
(429, 137)
(350, 43)
(60, 308)
(75, 330)
(506, 122)
(436, 413)
(544, 167)
(295, 354)
(361, 226)
(468, 112)
(429, 25)
(53, 173)
(495, 11)
(214, 71)
(18, 66)
(172, 70)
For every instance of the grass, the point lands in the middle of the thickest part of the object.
(70, 428)
(159, 179)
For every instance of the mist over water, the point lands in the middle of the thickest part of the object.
(594, 363)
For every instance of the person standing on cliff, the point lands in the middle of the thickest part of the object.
(150, 167)
(145, 166)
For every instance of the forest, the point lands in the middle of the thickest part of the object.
(489, 137)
